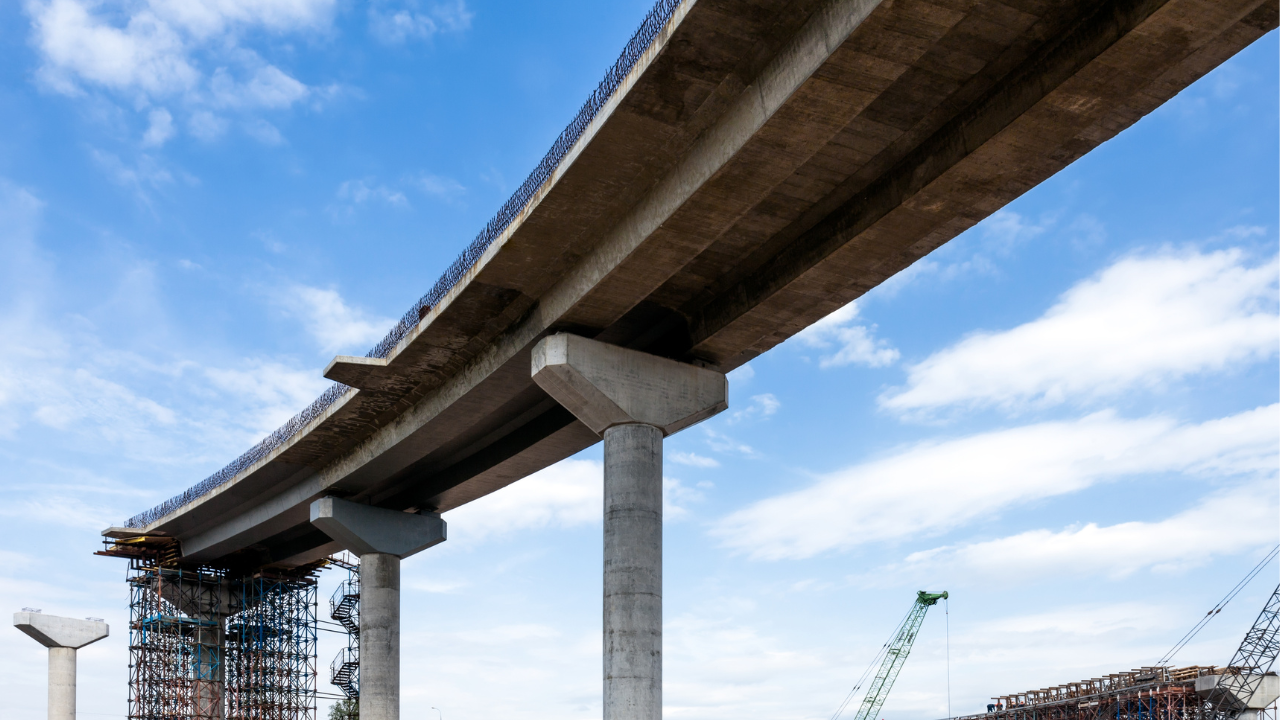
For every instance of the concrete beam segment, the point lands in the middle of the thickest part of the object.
(63, 636)
(52, 631)
(633, 573)
(1235, 686)
(364, 529)
(604, 385)
(365, 373)
(379, 637)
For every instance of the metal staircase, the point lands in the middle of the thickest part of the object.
(344, 608)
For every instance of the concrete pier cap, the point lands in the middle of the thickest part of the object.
(52, 631)
(605, 385)
(63, 636)
(366, 529)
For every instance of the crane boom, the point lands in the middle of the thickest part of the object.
(1232, 699)
(896, 652)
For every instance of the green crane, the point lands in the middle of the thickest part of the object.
(894, 654)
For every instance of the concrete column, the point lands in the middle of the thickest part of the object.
(379, 636)
(633, 572)
(381, 538)
(634, 400)
(63, 636)
(62, 683)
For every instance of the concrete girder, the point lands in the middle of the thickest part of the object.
(728, 196)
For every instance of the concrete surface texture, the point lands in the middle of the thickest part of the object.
(364, 529)
(1262, 696)
(635, 399)
(52, 631)
(605, 385)
(763, 164)
(379, 637)
(63, 636)
(633, 573)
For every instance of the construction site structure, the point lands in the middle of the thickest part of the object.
(344, 608)
(1148, 693)
(213, 643)
(1244, 690)
(891, 658)
(1238, 695)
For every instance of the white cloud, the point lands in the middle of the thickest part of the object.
(932, 487)
(334, 324)
(760, 407)
(264, 132)
(276, 391)
(442, 187)
(723, 443)
(397, 25)
(206, 126)
(142, 177)
(693, 460)
(153, 50)
(1143, 322)
(850, 343)
(676, 496)
(363, 190)
(160, 130)
(1222, 524)
(567, 494)
(269, 87)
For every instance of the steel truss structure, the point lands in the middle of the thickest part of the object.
(211, 644)
(1255, 657)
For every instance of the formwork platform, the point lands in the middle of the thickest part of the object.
(211, 643)
(1149, 693)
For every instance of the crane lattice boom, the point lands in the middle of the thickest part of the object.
(896, 652)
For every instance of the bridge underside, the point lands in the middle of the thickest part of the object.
(765, 163)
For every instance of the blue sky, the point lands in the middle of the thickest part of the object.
(1067, 417)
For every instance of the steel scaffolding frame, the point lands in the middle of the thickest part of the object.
(271, 649)
(212, 644)
(175, 658)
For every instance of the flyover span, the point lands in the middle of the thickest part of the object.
(745, 169)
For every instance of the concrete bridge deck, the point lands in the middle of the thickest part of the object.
(763, 163)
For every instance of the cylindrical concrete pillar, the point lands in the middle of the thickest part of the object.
(62, 683)
(379, 637)
(632, 573)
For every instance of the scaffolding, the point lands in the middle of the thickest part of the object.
(208, 643)
(1148, 693)
(271, 649)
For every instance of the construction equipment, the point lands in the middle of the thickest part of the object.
(1247, 685)
(891, 658)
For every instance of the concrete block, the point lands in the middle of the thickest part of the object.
(605, 385)
(1265, 694)
(365, 373)
(367, 529)
(52, 631)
